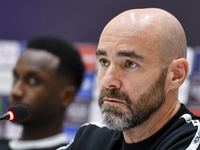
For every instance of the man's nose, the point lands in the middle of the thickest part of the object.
(111, 78)
(17, 89)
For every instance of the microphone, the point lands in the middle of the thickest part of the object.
(16, 113)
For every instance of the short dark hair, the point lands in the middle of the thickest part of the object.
(70, 65)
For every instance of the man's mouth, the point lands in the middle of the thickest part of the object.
(109, 100)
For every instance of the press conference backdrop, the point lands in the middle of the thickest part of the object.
(85, 107)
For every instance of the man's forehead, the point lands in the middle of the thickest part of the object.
(39, 58)
(39, 52)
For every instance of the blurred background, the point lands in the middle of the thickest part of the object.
(81, 23)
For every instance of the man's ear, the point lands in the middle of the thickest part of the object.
(67, 95)
(178, 71)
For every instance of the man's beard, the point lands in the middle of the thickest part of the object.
(138, 110)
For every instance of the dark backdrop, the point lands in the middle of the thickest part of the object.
(83, 20)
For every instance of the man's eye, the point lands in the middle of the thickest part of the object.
(104, 62)
(15, 78)
(33, 81)
(131, 64)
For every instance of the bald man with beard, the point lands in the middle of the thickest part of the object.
(142, 57)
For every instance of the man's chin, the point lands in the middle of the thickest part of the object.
(23, 122)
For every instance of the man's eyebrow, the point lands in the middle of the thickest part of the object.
(100, 52)
(131, 54)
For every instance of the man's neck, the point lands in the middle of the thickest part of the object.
(39, 132)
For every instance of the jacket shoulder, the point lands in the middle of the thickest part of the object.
(91, 134)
